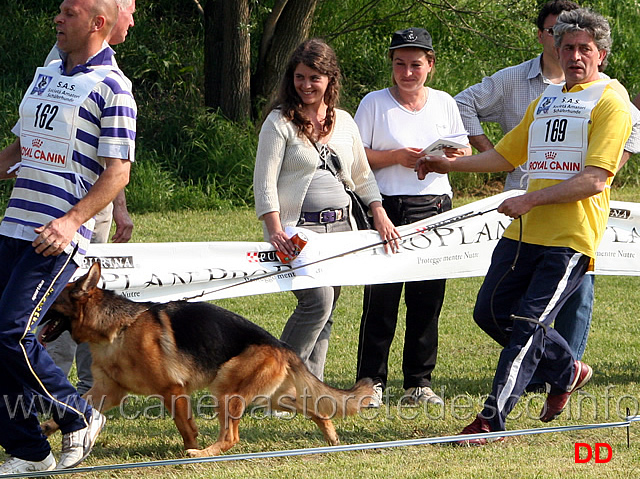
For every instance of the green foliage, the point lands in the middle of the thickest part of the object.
(26, 37)
(626, 42)
(629, 175)
(214, 163)
(472, 39)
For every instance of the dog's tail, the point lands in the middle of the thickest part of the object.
(314, 397)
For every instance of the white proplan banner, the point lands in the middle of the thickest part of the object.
(455, 244)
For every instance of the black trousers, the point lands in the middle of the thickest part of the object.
(423, 300)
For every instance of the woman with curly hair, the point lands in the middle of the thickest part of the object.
(308, 151)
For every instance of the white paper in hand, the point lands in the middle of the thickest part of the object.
(438, 146)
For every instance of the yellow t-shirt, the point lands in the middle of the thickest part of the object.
(578, 225)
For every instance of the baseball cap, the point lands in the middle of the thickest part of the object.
(411, 37)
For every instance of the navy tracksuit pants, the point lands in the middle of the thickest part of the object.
(29, 283)
(542, 280)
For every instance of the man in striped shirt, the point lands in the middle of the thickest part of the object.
(64, 349)
(76, 143)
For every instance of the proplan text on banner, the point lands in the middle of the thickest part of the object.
(461, 248)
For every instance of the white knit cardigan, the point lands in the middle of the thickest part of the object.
(286, 163)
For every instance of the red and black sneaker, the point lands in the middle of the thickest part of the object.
(555, 403)
(478, 426)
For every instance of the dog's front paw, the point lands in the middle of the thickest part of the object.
(49, 427)
(195, 453)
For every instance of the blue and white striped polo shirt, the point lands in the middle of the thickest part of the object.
(68, 125)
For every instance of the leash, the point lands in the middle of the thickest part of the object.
(422, 230)
(504, 276)
(513, 317)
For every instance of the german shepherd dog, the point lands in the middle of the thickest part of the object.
(172, 349)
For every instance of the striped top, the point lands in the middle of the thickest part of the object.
(68, 125)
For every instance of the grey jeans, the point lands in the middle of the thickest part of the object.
(308, 329)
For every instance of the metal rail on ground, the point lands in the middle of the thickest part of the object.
(326, 450)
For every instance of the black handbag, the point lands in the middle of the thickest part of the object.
(359, 210)
(405, 209)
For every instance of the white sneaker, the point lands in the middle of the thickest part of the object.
(376, 399)
(422, 395)
(15, 465)
(77, 445)
(276, 413)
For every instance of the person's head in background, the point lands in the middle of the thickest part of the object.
(546, 20)
(412, 58)
(126, 9)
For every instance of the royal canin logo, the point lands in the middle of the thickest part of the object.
(36, 142)
(550, 155)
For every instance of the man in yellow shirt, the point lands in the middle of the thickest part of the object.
(571, 139)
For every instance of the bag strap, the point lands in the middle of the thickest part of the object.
(332, 166)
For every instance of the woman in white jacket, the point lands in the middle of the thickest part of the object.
(307, 151)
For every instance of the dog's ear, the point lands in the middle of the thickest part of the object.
(93, 276)
(87, 282)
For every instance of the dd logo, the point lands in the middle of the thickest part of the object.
(590, 452)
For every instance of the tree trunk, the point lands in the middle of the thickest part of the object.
(213, 41)
(228, 58)
(228, 82)
(291, 29)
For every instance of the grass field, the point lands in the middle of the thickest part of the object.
(463, 376)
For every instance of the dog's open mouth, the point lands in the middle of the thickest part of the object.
(53, 325)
